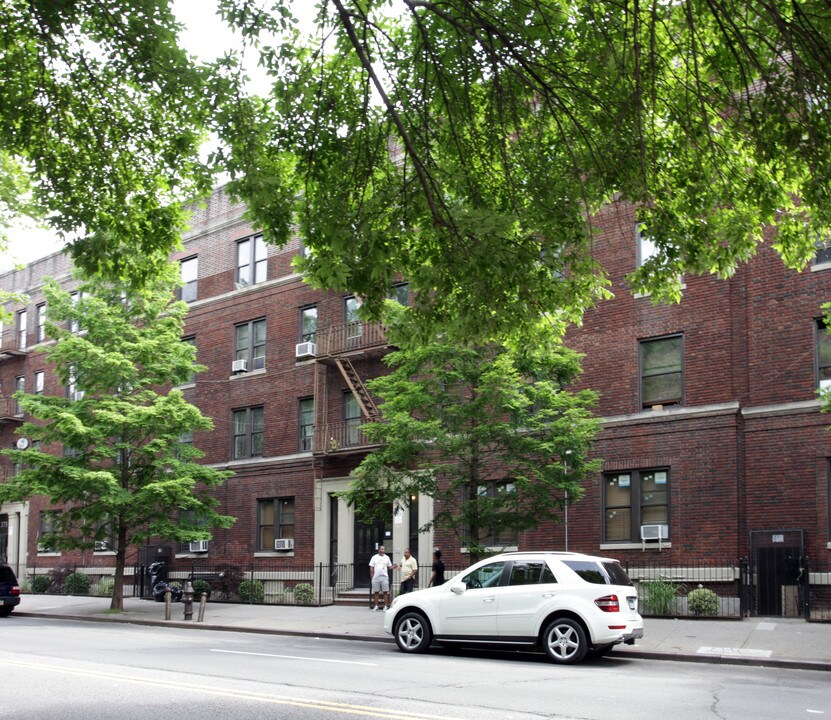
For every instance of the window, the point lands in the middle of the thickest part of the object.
(192, 377)
(19, 386)
(306, 419)
(39, 377)
(190, 275)
(40, 322)
(351, 306)
(74, 327)
(631, 499)
(248, 433)
(531, 573)
(275, 521)
(47, 530)
(497, 499)
(352, 418)
(823, 346)
(400, 293)
(72, 391)
(487, 576)
(22, 329)
(823, 256)
(308, 324)
(249, 343)
(662, 373)
(104, 537)
(645, 246)
(252, 261)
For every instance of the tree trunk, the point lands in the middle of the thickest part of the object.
(117, 602)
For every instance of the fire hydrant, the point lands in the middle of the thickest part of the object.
(187, 600)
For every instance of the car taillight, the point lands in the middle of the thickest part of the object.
(15, 590)
(608, 603)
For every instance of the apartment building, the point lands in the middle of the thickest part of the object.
(713, 444)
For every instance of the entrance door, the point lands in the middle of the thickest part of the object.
(368, 537)
(777, 569)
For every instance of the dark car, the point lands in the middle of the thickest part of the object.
(9, 591)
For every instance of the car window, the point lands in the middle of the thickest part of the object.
(7, 576)
(486, 576)
(617, 573)
(531, 573)
(590, 571)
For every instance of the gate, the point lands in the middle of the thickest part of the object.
(778, 575)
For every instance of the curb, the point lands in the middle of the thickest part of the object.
(783, 663)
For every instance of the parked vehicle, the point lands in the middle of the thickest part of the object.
(9, 591)
(567, 604)
(159, 583)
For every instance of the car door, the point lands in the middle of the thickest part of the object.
(530, 591)
(472, 613)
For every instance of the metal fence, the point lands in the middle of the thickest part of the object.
(730, 590)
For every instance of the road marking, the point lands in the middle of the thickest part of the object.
(738, 652)
(294, 657)
(335, 707)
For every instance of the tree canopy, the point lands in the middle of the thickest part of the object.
(489, 433)
(463, 144)
(111, 455)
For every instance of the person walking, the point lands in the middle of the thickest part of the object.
(379, 573)
(409, 570)
(437, 576)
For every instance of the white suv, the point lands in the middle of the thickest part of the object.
(568, 604)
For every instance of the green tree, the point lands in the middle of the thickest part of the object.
(109, 455)
(490, 433)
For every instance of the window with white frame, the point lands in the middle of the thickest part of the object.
(308, 324)
(19, 387)
(351, 306)
(631, 499)
(39, 381)
(249, 343)
(823, 355)
(22, 327)
(352, 418)
(823, 254)
(646, 247)
(306, 418)
(47, 530)
(40, 322)
(190, 276)
(275, 521)
(72, 390)
(252, 261)
(248, 424)
(662, 371)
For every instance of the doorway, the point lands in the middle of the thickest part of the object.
(777, 569)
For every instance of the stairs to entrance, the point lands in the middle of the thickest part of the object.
(358, 597)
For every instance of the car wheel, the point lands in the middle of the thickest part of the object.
(412, 633)
(564, 641)
(5, 611)
(601, 650)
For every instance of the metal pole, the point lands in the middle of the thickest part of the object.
(187, 600)
(167, 608)
(202, 601)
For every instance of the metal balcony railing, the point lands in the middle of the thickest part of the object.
(341, 436)
(350, 337)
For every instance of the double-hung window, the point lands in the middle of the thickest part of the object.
(306, 417)
(40, 322)
(275, 521)
(632, 499)
(39, 380)
(400, 293)
(47, 530)
(22, 329)
(353, 419)
(249, 343)
(823, 354)
(252, 261)
(249, 427)
(646, 248)
(308, 324)
(497, 502)
(190, 277)
(662, 371)
(354, 326)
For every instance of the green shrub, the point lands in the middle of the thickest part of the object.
(103, 588)
(702, 601)
(304, 593)
(251, 591)
(201, 587)
(76, 584)
(659, 596)
(41, 583)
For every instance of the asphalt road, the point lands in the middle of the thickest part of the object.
(74, 670)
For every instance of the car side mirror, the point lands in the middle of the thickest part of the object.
(458, 588)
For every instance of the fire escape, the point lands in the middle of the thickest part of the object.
(344, 352)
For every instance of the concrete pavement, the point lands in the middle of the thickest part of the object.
(773, 642)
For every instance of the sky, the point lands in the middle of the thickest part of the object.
(205, 36)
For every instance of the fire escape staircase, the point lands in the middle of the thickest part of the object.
(353, 381)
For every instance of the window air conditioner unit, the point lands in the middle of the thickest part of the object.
(101, 546)
(305, 349)
(199, 546)
(654, 532)
(239, 366)
(284, 544)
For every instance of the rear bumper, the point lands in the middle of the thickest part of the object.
(11, 601)
(630, 637)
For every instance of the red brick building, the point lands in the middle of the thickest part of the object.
(713, 445)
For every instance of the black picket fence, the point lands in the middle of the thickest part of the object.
(665, 590)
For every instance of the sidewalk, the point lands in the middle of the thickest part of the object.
(772, 642)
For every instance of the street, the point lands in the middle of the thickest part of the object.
(75, 670)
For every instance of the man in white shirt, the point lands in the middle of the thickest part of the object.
(379, 572)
